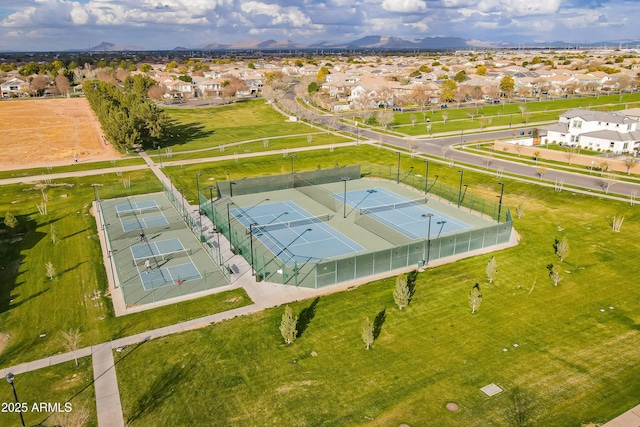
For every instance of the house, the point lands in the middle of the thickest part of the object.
(595, 130)
(14, 87)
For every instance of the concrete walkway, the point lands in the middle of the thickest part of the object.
(631, 418)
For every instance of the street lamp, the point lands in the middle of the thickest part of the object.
(357, 134)
(229, 225)
(292, 157)
(461, 172)
(429, 215)
(199, 207)
(10, 377)
(500, 202)
(344, 199)
(253, 271)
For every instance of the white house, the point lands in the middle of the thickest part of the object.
(14, 87)
(595, 130)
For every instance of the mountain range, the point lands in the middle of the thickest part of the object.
(367, 43)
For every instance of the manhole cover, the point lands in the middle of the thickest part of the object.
(452, 407)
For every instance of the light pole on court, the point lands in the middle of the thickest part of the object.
(253, 270)
(500, 202)
(429, 216)
(461, 172)
(345, 179)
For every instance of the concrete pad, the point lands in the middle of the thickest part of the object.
(628, 419)
(491, 389)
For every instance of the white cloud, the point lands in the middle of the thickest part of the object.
(519, 7)
(404, 6)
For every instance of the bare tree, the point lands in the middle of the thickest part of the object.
(366, 333)
(616, 223)
(414, 119)
(402, 293)
(561, 248)
(385, 118)
(288, 326)
(71, 341)
(475, 298)
(607, 181)
(445, 116)
(541, 172)
(51, 271)
(520, 211)
(554, 274)
(629, 163)
(492, 269)
(63, 84)
(38, 85)
(570, 153)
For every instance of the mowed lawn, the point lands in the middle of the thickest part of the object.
(209, 128)
(576, 357)
(34, 310)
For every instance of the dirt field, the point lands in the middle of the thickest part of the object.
(50, 132)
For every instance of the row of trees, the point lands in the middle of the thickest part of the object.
(127, 118)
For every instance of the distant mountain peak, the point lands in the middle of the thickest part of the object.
(111, 47)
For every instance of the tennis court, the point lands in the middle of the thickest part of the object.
(408, 216)
(295, 229)
(179, 264)
(293, 234)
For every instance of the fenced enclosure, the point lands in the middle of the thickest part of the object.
(323, 194)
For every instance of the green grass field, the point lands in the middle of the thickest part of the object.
(78, 290)
(576, 363)
(209, 128)
(55, 385)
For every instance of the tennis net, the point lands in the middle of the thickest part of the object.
(381, 208)
(290, 224)
(137, 211)
(156, 258)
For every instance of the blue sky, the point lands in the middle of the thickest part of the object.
(165, 24)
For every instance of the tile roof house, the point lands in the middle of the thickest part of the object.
(596, 130)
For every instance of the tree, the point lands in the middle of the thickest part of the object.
(492, 269)
(366, 333)
(288, 326)
(448, 90)
(63, 84)
(145, 68)
(38, 84)
(71, 341)
(10, 221)
(507, 84)
(629, 162)
(554, 274)
(312, 88)
(481, 70)
(460, 76)
(402, 293)
(475, 298)
(385, 118)
(561, 248)
(51, 271)
(521, 410)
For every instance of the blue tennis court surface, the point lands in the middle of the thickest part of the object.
(132, 208)
(409, 217)
(293, 234)
(158, 250)
(138, 223)
(164, 276)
